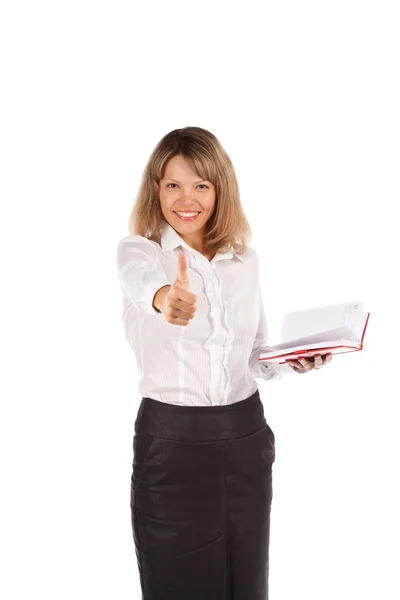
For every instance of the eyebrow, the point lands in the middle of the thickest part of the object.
(201, 180)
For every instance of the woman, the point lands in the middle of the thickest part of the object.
(201, 486)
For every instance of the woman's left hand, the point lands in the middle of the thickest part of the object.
(303, 364)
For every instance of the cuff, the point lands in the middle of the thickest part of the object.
(284, 369)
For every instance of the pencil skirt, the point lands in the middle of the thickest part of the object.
(201, 493)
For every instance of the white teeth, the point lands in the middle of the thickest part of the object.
(187, 214)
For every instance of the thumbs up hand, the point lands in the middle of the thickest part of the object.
(178, 304)
(183, 277)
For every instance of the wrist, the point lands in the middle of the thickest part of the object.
(159, 297)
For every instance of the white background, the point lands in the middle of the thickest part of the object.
(304, 97)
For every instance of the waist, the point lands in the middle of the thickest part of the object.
(200, 423)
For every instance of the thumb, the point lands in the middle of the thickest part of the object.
(183, 276)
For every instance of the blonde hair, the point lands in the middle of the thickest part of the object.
(227, 227)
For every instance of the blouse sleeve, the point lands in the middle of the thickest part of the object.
(139, 273)
(260, 369)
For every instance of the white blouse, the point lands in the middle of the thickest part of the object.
(214, 359)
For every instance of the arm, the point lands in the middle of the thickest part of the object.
(259, 369)
(139, 273)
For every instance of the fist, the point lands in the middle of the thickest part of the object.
(179, 304)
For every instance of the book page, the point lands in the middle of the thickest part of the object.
(355, 318)
(303, 323)
(340, 335)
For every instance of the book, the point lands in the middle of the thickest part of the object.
(332, 329)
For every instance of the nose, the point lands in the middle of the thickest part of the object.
(188, 200)
(188, 195)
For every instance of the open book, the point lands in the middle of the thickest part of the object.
(326, 329)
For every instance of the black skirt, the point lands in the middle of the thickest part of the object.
(201, 492)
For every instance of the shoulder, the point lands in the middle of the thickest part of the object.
(249, 254)
(133, 243)
(137, 240)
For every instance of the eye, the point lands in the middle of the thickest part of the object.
(168, 184)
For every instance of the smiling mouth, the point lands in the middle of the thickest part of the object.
(192, 217)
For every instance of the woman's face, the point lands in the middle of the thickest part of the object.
(182, 190)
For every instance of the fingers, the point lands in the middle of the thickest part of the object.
(319, 360)
(184, 308)
(180, 311)
(182, 299)
(303, 364)
(317, 363)
(306, 363)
